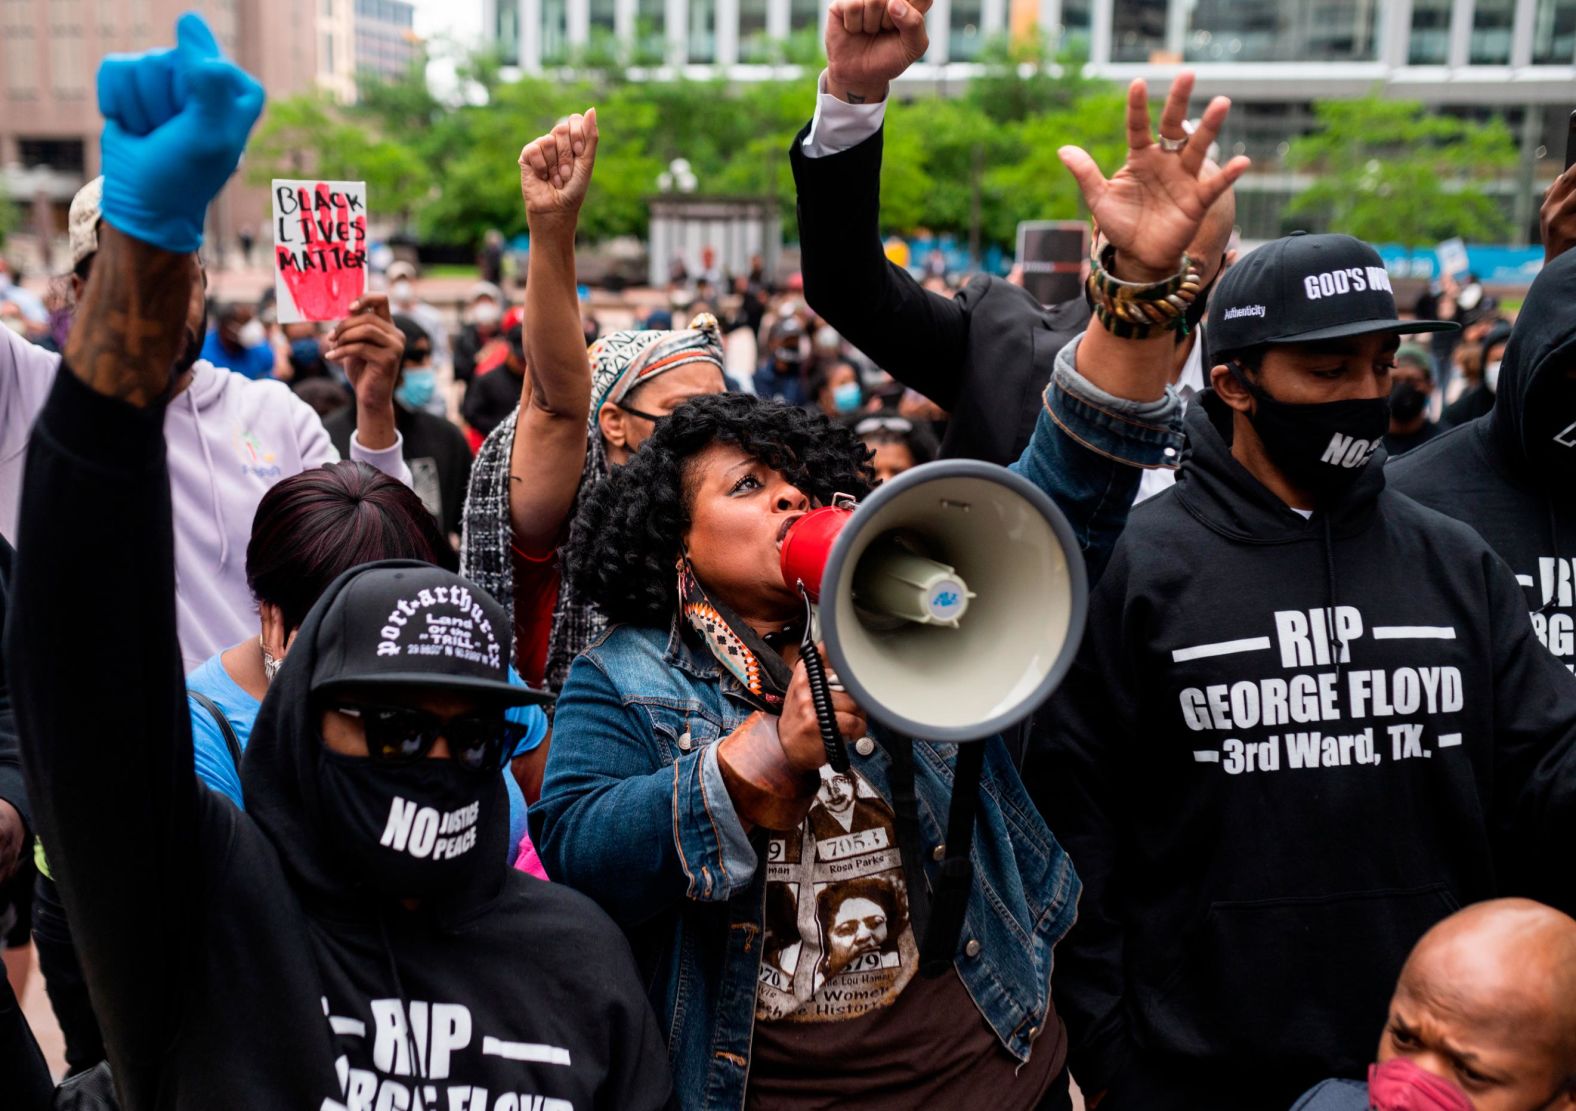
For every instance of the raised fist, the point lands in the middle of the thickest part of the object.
(869, 43)
(175, 124)
(555, 170)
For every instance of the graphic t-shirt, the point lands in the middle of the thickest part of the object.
(839, 1014)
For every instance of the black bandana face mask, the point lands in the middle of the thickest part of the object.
(414, 830)
(1320, 448)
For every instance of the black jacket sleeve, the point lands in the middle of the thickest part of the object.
(918, 337)
(1071, 773)
(95, 671)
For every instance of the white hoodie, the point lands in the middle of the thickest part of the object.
(229, 439)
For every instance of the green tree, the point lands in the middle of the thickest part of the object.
(1389, 171)
(309, 136)
(10, 218)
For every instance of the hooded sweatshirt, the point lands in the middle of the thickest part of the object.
(1288, 747)
(1506, 475)
(269, 978)
(229, 439)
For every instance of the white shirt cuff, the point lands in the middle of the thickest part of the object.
(389, 460)
(839, 125)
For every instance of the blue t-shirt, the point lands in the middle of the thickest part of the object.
(217, 770)
(253, 362)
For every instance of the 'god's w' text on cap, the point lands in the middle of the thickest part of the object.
(1303, 289)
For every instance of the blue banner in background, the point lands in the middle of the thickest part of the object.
(1493, 265)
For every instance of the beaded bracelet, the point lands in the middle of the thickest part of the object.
(1137, 310)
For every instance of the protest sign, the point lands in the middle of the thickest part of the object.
(1052, 254)
(1452, 255)
(320, 248)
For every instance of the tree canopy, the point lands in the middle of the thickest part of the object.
(1389, 171)
(448, 173)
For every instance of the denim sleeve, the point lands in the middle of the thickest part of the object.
(212, 757)
(1088, 449)
(620, 823)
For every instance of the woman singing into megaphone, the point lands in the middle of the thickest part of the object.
(766, 895)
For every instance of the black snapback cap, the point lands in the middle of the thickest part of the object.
(417, 625)
(1305, 288)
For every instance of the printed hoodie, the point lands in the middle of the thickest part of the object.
(1484, 472)
(231, 959)
(1287, 748)
(228, 440)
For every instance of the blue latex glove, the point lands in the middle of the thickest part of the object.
(175, 124)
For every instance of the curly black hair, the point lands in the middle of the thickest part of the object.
(629, 531)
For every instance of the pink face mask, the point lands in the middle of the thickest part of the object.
(1399, 1085)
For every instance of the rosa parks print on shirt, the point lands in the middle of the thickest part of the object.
(1298, 703)
(838, 942)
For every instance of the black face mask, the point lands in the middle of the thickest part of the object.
(415, 830)
(1550, 416)
(1407, 401)
(1320, 448)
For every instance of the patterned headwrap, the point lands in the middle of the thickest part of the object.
(623, 361)
(620, 361)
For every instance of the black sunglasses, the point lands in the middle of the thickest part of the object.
(480, 741)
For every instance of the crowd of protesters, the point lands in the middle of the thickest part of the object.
(352, 757)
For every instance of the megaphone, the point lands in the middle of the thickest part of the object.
(951, 600)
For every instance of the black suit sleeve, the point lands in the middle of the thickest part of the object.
(918, 337)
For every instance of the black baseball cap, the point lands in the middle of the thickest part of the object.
(408, 624)
(1305, 288)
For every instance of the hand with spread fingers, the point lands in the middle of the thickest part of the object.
(1151, 208)
(870, 43)
(370, 348)
(555, 170)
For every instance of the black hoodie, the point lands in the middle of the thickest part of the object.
(230, 959)
(1263, 826)
(1486, 473)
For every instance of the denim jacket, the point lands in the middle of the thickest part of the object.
(634, 811)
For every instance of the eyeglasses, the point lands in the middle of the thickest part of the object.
(417, 354)
(481, 741)
(871, 425)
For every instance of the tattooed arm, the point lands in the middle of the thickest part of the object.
(131, 321)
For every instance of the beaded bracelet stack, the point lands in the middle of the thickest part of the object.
(1140, 310)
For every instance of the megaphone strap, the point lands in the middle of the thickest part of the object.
(905, 817)
(759, 669)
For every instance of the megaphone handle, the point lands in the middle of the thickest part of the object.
(825, 716)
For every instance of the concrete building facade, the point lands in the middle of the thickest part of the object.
(49, 54)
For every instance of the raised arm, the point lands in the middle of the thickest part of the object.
(1149, 211)
(176, 122)
(917, 336)
(550, 426)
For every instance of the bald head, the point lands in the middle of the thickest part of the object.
(1488, 1000)
(1214, 234)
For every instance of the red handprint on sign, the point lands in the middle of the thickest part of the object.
(327, 272)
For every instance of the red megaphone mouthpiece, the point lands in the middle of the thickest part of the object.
(808, 544)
